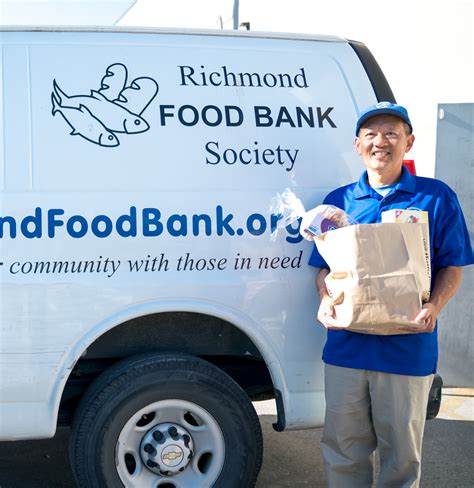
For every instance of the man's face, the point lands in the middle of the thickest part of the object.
(383, 142)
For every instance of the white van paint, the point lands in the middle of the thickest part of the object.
(137, 172)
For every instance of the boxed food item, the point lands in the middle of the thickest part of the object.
(399, 216)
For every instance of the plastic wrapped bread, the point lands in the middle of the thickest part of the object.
(324, 218)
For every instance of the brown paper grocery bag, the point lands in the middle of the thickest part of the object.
(380, 275)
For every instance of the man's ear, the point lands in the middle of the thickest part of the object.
(357, 146)
(410, 141)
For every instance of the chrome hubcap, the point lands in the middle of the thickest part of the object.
(170, 443)
(167, 449)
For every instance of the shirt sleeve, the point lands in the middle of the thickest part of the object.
(451, 243)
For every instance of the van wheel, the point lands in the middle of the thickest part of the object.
(162, 421)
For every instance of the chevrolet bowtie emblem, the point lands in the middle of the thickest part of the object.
(172, 456)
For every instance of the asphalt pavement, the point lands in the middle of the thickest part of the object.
(291, 459)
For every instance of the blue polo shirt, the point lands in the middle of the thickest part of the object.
(408, 354)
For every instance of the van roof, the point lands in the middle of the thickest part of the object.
(174, 31)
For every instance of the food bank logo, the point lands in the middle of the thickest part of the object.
(116, 108)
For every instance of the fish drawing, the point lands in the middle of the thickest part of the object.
(115, 117)
(84, 124)
(115, 108)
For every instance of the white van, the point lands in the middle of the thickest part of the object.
(142, 298)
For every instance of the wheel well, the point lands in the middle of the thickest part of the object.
(208, 337)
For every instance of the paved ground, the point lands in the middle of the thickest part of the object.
(291, 460)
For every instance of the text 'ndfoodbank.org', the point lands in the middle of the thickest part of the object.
(147, 222)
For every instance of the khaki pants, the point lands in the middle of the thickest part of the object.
(366, 410)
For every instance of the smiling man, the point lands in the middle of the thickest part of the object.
(377, 386)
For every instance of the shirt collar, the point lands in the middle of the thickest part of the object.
(406, 183)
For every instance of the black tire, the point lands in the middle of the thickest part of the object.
(135, 383)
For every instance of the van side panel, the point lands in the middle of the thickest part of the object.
(17, 117)
(139, 171)
(2, 147)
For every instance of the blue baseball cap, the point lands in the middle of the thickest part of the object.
(383, 108)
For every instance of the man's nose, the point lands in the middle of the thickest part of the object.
(380, 139)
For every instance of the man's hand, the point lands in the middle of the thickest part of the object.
(326, 311)
(447, 282)
(427, 318)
